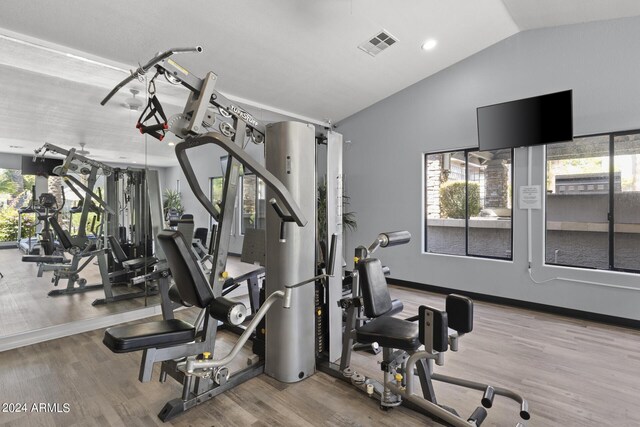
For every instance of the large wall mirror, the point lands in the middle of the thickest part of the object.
(77, 225)
(77, 220)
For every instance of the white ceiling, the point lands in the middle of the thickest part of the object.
(296, 56)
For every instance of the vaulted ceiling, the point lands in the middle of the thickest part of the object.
(295, 57)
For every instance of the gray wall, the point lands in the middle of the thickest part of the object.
(383, 163)
(10, 161)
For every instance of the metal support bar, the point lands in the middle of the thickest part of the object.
(176, 407)
(246, 160)
(193, 365)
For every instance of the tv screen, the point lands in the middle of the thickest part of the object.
(530, 121)
(41, 167)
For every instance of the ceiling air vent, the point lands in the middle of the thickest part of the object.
(378, 43)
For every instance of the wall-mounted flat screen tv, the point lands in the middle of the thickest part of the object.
(41, 167)
(530, 121)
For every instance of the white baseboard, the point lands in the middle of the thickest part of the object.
(21, 339)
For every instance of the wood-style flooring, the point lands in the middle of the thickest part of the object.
(573, 372)
(25, 305)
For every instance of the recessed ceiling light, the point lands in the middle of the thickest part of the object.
(429, 44)
(135, 161)
(171, 144)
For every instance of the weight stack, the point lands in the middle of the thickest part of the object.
(290, 333)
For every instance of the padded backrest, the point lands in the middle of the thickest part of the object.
(117, 250)
(201, 234)
(375, 293)
(460, 311)
(185, 226)
(433, 331)
(65, 241)
(253, 246)
(190, 280)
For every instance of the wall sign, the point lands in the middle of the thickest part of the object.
(530, 197)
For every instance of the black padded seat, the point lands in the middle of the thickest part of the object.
(390, 332)
(116, 250)
(158, 334)
(139, 263)
(44, 259)
(201, 234)
(63, 235)
(129, 264)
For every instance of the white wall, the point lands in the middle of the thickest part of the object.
(383, 163)
(205, 161)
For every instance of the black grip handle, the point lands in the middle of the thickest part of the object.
(332, 254)
(64, 200)
(478, 416)
(487, 398)
(524, 410)
(152, 128)
(282, 237)
(93, 224)
(279, 212)
(394, 238)
(283, 218)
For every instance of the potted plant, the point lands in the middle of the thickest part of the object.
(172, 203)
(348, 218)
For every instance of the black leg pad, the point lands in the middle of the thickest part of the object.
(460, 313)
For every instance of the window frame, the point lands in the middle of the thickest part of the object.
(425, 219)
(256, 197)
(211, 180)
(239, 203)
(611, 203)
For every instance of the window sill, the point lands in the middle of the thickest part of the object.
(473, 223)
(598, 227)
(471, 257)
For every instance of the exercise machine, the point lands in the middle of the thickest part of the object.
(29, 245)
(401, 340)
(307, 332)
(289, 205)
(82, 247)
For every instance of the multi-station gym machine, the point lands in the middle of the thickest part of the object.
(128, 213)
(306, 332)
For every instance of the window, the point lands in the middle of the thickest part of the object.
(468, 203)
(592, 203)
(217, 185)
(15, 193)
(252, 203)
(251, 199)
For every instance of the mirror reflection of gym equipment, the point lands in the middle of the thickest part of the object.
(192, 222)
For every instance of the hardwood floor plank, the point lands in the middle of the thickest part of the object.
(573, 372)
